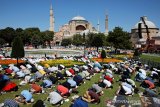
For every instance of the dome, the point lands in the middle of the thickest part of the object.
(78, 18)
(148, 23)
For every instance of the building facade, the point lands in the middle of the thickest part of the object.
(152, 33)
(77, 25)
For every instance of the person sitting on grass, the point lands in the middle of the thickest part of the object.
(78, 79)
(106, 66)
(59, 75)
(19, 74)
(3, 80)
(107, 77)
(140, 76)
(33, 68)
(122, 78)
(27, 79)
(38, 76)
(105, 83)
(97, 89)
(10, 86)
(131, 82)
(61, 67)
(46, 83)
(79, 102)
(87, 74)
(97, 64)
(68, 74)
(42, 72)
(8, 71)
(154, 74)
(147, 84)
(55, 98)
(76, 69)
(53, 69)
(25, 70)
(53, 79)
(124, 90)
(24, 98)
(96, 70)
(70, 87)
(36, 89)
(127, 85)
(72, 83)
(71, 70)
(150, 93)
(91, 71)
(14, 68)
(39, 103)
(91, 97)
(47, 71)
(82, 74)
(63, 91)
(108, 71)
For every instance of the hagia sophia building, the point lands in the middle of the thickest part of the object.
(77, 25)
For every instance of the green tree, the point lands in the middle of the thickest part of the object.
(2, 42)
(66, 42)
(8, 34)
(17, 48)
(119, 39)
(98, 40)
(36, 40)
(89, 39)
(77, 40)
(48, 37)
(19, 30)
(20, 33)
(28, 33)
(43, 40)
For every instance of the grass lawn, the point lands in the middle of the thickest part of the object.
(108, 93)
(151, 58)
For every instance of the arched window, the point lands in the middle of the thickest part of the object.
(80, 27)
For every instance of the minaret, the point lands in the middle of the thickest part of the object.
(98, 26)
(106, 25)
(51, 19)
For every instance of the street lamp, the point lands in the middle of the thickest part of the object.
(3, 52)
(83, 33)
(84, 43)
(83, 48)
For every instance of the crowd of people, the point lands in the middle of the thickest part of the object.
(66, 81)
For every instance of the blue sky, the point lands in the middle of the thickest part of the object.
(35, 13)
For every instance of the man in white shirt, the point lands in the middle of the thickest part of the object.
(127, 90)
(55, 98)
(130, 81)
(105, 84)
(69, 74)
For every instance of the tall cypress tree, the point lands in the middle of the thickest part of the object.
(17, 48)
(103, 55)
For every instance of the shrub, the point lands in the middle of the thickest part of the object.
(106, 60)
(10, 61)
(66, 63)
(103, 54)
